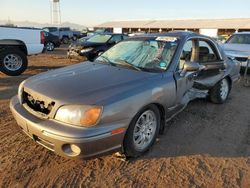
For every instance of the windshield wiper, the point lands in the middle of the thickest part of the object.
(124, 62)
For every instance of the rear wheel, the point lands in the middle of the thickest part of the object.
(50, 46)
(219, 93)
(13, 61)
(142, 132)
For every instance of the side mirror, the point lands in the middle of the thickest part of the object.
(191, 67)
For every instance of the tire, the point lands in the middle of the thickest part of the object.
(50, 46)
(219, 93)
(13, 61)
(133, 147)
(74, 38)
(65, 40)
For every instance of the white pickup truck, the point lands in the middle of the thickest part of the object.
(15, 45)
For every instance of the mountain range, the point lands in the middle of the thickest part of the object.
(41, 25)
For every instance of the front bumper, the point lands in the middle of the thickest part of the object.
(67, 146)
(243, 59)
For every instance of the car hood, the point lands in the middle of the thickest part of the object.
(239, 50)
(85, 83)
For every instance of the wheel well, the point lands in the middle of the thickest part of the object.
(15, 44)
(163, 116)
(229, 80)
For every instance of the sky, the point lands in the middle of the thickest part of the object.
(93, 12)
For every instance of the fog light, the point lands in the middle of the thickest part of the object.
(71, 149)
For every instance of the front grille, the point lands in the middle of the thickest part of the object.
(241, 59)
(37, 105)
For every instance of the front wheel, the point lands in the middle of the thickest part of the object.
(74, 38)
(142, 132)
(65, 40)
(219, 93)
(13, 61)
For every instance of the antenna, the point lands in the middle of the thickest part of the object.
(55, 12)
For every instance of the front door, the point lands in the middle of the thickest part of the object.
(214, 70)
(184, 82)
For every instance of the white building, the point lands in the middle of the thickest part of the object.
(210, 27)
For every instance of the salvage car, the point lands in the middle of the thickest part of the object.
(94, 45)
(122, 100)
(238, 47)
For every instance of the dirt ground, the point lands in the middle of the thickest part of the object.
(206, 145)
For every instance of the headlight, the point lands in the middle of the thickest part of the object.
(20, 92)
(85, 116)
(86, 50)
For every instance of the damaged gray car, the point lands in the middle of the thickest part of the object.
(122, 100)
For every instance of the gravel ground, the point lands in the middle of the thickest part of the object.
(206, 145)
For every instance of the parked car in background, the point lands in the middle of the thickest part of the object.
(220, 39)
(122, 101)
(51, 41)
(15, 45)
(99, 31)
(238, 47)
(94, 45)
(78, 34)
(65, 34)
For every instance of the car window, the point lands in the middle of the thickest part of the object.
(239, 39)
(206, 52)
(125, 37)
(64, 29)
(115, 39)
(52, 29)
(186, 54)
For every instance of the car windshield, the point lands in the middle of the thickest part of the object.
(148, 55)
(99, 38)
(239, 39)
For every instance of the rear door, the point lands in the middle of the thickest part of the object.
(210, 58)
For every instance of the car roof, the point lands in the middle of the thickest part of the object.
(108, 33)
(179, 34)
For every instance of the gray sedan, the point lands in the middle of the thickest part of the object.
(238, 47)
(122, 100)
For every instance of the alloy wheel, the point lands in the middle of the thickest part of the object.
(12, 62)
(145, 129)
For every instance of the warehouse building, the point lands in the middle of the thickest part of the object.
(210, 27)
